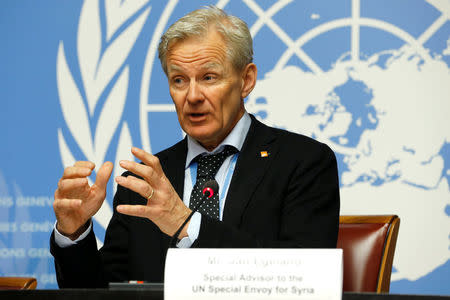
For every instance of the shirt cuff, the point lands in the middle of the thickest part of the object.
(63, 241)
(193, 230)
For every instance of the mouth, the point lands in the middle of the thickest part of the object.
(197, 117)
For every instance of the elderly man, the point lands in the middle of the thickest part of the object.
(277, 189)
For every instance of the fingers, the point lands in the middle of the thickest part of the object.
(67, 185)
(76, 172)
(103, 175)
(151, 170)
(168, 219)
(76, 201)
(79, 169)
(74, 183)
(66, 204)
(148, 159)
(137, 185)
(146, 172)
(85, 164)
(135, 210)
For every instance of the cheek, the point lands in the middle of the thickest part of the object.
(232, 104)
(177, 100)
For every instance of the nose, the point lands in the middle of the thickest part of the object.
(194, 94)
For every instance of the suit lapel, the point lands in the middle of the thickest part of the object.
(251, 166)
(174, 167)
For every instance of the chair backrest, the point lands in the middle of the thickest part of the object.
(17, 283)
(368, 243)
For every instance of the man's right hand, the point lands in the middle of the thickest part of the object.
(75, 201)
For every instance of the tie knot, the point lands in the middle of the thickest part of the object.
(208, 165)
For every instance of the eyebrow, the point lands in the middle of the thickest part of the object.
(210, 65)
(207, 65)
(173, 68)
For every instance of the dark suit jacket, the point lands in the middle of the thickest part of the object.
(288, 199)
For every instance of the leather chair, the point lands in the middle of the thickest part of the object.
(368, 244)
(17, 283)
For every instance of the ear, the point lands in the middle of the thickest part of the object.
(248, 79)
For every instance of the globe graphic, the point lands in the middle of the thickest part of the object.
(355, 107)
(382, 109)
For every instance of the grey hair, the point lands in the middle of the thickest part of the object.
(197, 23)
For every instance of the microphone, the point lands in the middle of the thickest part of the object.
(209, 189)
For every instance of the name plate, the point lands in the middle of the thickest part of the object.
(253, 274)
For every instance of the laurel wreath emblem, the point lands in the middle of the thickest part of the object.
(104, 81)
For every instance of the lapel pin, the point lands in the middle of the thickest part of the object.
(264, 154)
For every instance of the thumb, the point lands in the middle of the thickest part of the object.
(103, 175)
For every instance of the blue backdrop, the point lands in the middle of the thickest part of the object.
(80, 80)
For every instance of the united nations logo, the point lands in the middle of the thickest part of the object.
(356, 75)
(93, 110)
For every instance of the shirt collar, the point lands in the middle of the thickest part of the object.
(235, 138)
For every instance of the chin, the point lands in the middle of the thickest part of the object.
(202, 136)
(200, 132)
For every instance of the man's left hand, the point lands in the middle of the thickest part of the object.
(164, 206)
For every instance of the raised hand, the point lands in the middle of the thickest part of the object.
(164, 206)
(75, 201)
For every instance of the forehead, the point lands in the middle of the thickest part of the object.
(207, 51)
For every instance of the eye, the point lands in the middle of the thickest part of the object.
(177, 80)
(209, 77)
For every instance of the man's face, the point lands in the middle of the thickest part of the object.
(206, 88)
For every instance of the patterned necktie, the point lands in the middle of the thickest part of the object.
(207, 167)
